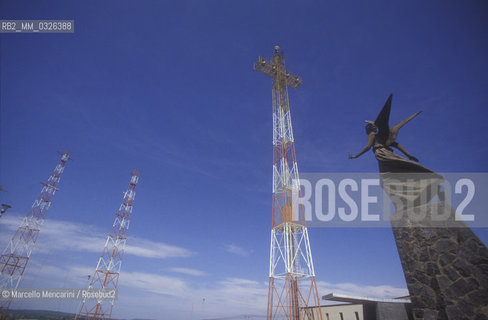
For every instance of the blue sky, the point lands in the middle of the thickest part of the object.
(168, 87)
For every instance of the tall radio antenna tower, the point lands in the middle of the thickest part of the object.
(292, 286)
(106, 276)
(15, 257)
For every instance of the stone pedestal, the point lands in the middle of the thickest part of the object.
(445, 264)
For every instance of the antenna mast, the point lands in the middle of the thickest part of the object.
(15, 257)
(292, 285)
(106, 276)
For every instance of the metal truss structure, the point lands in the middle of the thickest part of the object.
(106, 276)
(292, 285)
(16, 255)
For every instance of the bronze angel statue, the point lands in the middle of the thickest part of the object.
(382, 138)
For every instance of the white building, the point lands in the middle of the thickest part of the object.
(361, 308)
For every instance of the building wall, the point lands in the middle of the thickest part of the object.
(337, 312)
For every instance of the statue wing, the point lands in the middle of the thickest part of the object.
(382, 120)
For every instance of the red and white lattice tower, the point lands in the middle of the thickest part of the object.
(292, 286)
(15, 257)
(106, 276)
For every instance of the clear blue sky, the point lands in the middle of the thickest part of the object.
(168, 87)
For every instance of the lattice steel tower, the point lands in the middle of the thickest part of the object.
(292, 285)
(106, 276)
(15, 257)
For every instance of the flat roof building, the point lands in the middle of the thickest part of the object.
(362, 308)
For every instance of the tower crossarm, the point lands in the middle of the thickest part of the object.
(276, 70)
